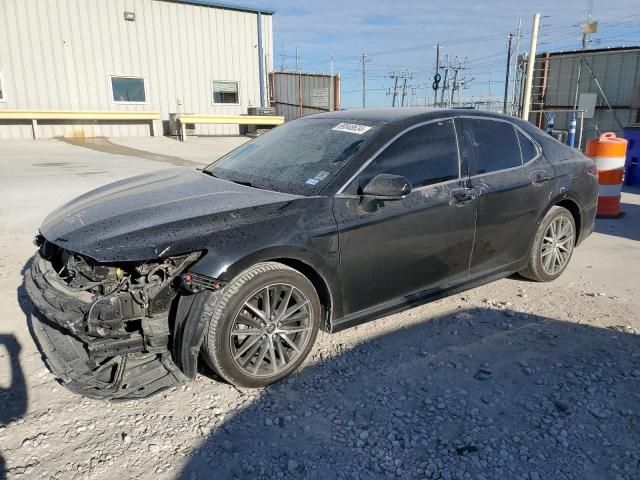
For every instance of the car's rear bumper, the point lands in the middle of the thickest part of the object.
(57, 326)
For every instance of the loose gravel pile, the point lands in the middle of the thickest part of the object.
(466, 388)
(513, 380)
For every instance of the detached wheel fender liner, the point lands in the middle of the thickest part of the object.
(189, 330)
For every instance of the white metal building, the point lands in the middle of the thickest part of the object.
(165, 56)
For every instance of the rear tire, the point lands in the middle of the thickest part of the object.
(552, 247)
(263, 325)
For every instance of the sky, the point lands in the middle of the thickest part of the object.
(400, 36)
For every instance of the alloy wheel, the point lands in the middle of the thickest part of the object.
(271, 329)
(557, 245)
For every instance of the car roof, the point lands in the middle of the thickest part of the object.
(405, 114)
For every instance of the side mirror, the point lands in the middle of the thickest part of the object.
(387, 187)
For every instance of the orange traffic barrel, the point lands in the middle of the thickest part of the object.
(609, 153)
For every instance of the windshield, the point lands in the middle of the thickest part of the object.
(300, 157)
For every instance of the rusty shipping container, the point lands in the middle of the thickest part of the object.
(296, 94)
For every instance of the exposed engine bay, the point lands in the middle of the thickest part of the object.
(118, 315)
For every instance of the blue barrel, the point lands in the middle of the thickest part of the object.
(632, 166)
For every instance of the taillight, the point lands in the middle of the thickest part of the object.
(591, 169)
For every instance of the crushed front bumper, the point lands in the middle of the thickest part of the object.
(130, 370)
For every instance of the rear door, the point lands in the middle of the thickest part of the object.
(405, 246)
(512, 182)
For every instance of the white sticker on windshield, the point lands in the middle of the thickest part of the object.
(351, 128)
(318, 178)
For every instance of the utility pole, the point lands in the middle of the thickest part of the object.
(588, 27)
(515, 67)
(508, 72)
(282, 58)
(397, 77)
(452, 91)
(404, 90)
(364, 59)
(531, 63)
(445, 85)
(490, 81)
(395, 90)
(456, 83)
(297, 60)
(436, 80)
(523, 67)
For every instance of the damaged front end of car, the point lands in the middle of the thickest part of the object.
(108, 330)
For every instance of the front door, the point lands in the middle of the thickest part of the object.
(402, 247)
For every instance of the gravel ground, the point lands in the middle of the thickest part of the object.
(512, 380)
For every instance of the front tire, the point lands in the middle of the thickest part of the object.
(552, 247)
(263, 325)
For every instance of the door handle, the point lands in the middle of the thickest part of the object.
(541, 179)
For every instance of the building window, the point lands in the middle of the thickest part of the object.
(2, 94)
(128, 90)
(225, 92)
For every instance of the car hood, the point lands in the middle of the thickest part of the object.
(156, 214)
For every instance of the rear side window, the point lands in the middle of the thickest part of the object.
(527, 147)
(495, 145)
(425, 155)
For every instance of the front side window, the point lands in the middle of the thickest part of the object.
(225, 92)
(128, 90)
(494, 143)
(299, 157)
(425, 155)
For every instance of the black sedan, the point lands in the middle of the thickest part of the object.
(325, 222)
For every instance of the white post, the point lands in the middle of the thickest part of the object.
(34, 127)
(581, 129)
(183, 131)
(530, 65)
